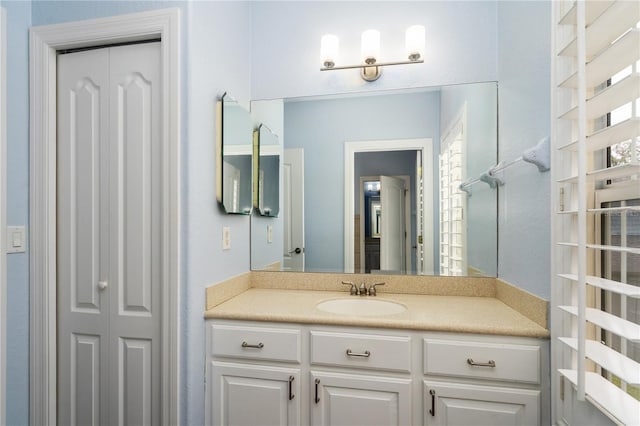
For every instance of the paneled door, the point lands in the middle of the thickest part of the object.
(394, 232)
(293, 215)
(108, 236)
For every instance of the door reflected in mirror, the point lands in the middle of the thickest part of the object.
(441, 231)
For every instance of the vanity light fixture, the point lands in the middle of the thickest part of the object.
(370, 68)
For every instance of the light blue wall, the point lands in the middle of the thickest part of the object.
(17, 325)
(482, 153)
(524, 100)
(461, 43)
(321, 127)
(219, 60)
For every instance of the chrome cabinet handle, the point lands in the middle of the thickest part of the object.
(366, 354)
(432, 411)
(258, 346)
(491, 363)
(317, 399)
(291, 395)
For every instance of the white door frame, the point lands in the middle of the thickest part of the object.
(3, 210)
(425, 145)
(44, 42)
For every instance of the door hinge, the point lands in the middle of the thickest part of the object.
(561, 201)
(561, 388)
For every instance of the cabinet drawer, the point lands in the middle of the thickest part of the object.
(518, 363)
(361, 351)
(269, 344)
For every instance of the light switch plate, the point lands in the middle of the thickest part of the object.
(226, 238)
(16, 239)
(269, 234)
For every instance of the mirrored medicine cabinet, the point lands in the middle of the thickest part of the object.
(234, 144)
(266, 159)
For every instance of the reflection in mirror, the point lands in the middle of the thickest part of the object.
(267, 175)
(440, 229)
(233, 162)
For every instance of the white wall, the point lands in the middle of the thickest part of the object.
(524, 33)
(461, 44)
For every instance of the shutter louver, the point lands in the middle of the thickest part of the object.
(594, 41)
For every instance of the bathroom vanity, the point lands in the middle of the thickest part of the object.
(279, 357)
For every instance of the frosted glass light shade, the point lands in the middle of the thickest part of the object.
(414, 42)
(329, 50)
(370, 47)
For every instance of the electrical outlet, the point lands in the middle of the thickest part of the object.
(269, 234)
(226, 238)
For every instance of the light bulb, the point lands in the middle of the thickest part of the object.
(329, 50)
(370, 46)
(414, 42)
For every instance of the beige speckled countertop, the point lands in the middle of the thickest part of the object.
(465, 314)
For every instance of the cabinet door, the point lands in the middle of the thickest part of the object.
(243, 395)
(466, 404)
(350, 400)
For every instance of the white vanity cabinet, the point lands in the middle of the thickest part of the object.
(353, 396)
(283, 374)
(252, 375)
(481, 382)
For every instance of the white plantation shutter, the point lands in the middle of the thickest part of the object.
(596, 47)
(453, 252)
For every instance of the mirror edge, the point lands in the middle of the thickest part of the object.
(219, 122)
(256, 169)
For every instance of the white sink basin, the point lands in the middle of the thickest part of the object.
(357, 306)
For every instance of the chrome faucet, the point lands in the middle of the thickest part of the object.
(372, 289)
(353, 290)
(363, 289)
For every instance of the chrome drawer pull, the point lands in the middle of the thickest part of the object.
(258, 346)
(432, 411)
(491, 363)
(291, 395)
(366, 354)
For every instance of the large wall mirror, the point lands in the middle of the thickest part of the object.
(371, 183)
(234, 144)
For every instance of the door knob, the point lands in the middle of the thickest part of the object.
(298, 250)
(102, 285)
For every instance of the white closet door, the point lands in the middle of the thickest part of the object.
(109, 233)
(134, 212)
(83, 237)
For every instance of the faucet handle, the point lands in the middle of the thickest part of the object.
(354, 290)
(363, 289)
(372, 289)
